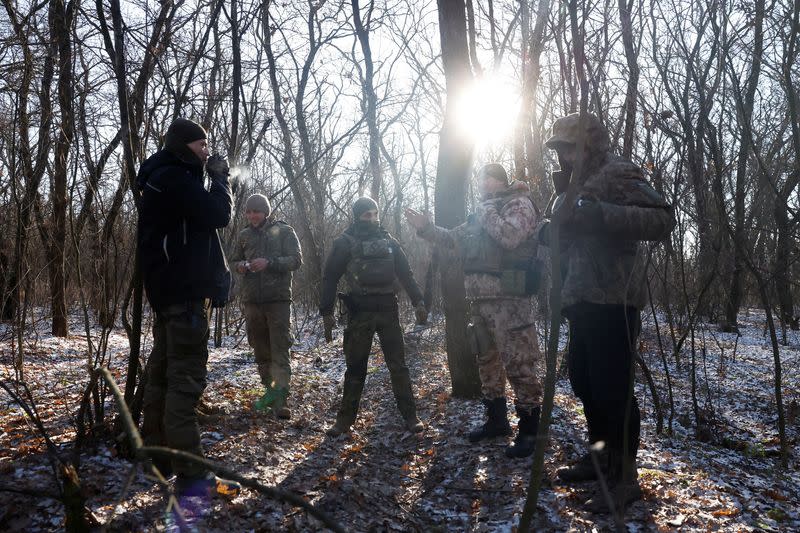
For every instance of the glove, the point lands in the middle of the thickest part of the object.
(587, 215)
(328, 323)
(217, 167)
(421, 313)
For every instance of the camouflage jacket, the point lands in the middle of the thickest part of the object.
(277, 242)
(607, 265)
(509, 219)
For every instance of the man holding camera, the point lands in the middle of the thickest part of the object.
(498, 249)
(185, 273)
(266, 253)
(372, 262)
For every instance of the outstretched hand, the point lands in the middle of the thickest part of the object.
(416, 219)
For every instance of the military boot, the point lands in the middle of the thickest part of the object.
(280, 407)
(583, 469)
(208, 486)
(414, 424)
(525, 441)
(340, 426)
(623, 485)
(496, 424)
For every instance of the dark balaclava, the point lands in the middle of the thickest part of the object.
(361, 206)
(181, 132)
(258, 202)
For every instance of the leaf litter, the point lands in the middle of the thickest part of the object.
(382, 478)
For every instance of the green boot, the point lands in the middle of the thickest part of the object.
(280, 408)
(267, 399)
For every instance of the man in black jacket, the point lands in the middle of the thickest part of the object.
(372, 262)
(184, 272)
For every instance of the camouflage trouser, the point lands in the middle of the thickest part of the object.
(513, 351)
(358, 334)
(269, 334)
(176, 378)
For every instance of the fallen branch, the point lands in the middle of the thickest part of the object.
(142, 453)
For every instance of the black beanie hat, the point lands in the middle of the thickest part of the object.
(362, 205)
(181, 132)
(185, 131)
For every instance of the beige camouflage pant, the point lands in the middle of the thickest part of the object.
(514, 350)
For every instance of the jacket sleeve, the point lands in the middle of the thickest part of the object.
(335, 265)
(292, 256)
(510, 226)
(238, 250)
(639, 223)
(211, 208)
(447, 241)
(403, 272)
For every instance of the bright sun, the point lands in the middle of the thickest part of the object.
(487, 111)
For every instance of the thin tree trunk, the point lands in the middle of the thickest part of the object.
(371, 107)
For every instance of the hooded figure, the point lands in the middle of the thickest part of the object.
(603, 291)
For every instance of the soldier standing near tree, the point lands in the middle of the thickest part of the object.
(498, 249)
(372, 262)
(266, 253)
(604, 289)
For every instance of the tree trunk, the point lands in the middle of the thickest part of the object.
(452, 177)
(371, 112)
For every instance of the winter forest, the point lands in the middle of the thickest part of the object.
(318, 102)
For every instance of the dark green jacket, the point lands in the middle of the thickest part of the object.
(277, 242)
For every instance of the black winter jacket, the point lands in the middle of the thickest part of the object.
(180, 253)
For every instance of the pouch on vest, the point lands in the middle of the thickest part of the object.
(478, 336)
(372, 266)
(522, 282)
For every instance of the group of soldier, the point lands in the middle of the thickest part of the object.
(602, 217)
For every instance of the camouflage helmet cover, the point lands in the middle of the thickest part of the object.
(494, 170)
(566, 130)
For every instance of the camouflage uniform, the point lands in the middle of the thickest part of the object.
(267, 296)
(372, 262)
(496, 247)
(604, 290)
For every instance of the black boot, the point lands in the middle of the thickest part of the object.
(584, 469)
(496, 424)
(623, 484)
(525, 441)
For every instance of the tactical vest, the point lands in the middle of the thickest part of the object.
(518, 269)
(371, 266)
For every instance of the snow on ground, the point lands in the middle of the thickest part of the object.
(382, 478)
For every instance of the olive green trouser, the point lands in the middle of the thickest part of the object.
(358, 335)
(269, 334)
(176, 378)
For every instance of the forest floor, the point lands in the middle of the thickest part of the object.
(725, 477)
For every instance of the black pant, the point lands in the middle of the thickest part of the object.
(601, 358)
(378, 316)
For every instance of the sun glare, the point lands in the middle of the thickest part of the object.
(487, 111)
